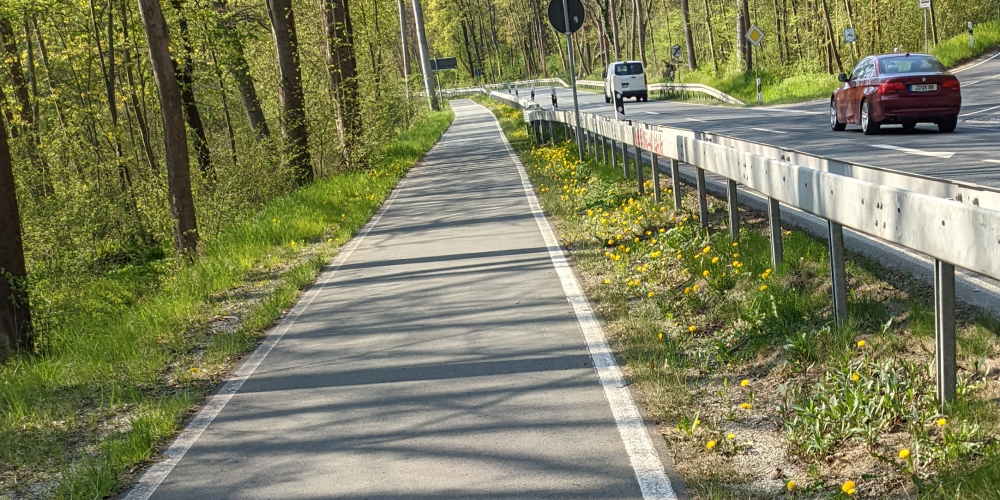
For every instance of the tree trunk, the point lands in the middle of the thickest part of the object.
(140, 116)
(236, 62)
(711, 37)
(342, 66)
(614, 30)
(290, 91)
(745, 26)
(13, 57)
(174, 134)
(185, 77)
(829, 33)
(15, 312)
(468, 51)
(641, 23)
(688, 39)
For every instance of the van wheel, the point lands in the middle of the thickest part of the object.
(645, 97)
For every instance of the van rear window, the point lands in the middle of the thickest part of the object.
(628, 69)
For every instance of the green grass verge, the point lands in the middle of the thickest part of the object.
(956, 50)
(740, 361)
(143, 345)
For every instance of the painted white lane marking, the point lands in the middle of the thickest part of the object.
(694, 120)
(981, 111)
(151, 479)
(918, 152)
(992, 161)
(767, 130)
(652, 113)
(796, 111)
(971, 83)
(649, 471)
(977, 64)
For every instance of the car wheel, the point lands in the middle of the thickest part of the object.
(949, 124)
(909, 126)
(868, 126)
(835, 123)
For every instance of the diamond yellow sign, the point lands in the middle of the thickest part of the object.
(755, 35)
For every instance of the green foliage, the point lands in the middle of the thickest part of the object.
(956, 49)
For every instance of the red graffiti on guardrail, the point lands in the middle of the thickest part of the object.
(649, 140)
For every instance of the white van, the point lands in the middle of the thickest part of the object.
(627, 77)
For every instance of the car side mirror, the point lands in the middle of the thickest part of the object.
(842, 77)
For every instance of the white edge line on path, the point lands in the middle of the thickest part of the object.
(151, 479)
(767, 130)
(649, 471)
(977, 64)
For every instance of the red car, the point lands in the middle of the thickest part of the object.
(896, 88)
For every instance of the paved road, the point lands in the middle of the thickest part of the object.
(971, 154)
(438, 358)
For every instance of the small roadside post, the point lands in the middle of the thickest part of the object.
(972, 42)
(925, 5)
(555, 103)
(619, 106)
(532, 90)
(756, 36)
(566, 17)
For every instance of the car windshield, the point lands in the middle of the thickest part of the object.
(909, 64)
(628, 69)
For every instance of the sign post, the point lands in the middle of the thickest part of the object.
(619, 106)
(972, 42)
(568, 24)
(532, 90)
(755, 36)
(555, 104)
(850, 37)
(926, 5)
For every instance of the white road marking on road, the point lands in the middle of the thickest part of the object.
(993, 161)
(151, 479)
(971, 83)
(981, 111)
(796, 111)
(652, 112)
(694, 120)
(918, 152)
(977, 64)
(649, 471)
(768, 130)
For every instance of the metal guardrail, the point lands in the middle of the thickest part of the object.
(957, 224)
(676, 87)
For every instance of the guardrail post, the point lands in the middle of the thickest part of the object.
(552, 132)
(702, 198)
(625, 156)
(774, 221)
(734, 210)
(638, 170)
(655, 167)
(944, 330)
(614, 153)
(675, 179)
(604, 150)
(838, 272)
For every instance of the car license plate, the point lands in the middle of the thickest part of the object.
(624, 85)
(923, 87)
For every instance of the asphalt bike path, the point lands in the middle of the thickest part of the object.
(447, 353)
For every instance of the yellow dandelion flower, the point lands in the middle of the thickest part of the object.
(607, 282)
(744, 383)
(694, 288)
(730, 436)
(662, 230)
(687, 290)
(736, 244)
(650, 294)
(941, 422)
(745, 406)
(710, 445)
(661, 335)
(715, 259)
(904, 454)
(705, 273)
(293, 243)
(855, 376)
(706, 249)
(862, 343)
(848, 487)
(790, 485)
(692, 328)
(329, 240)
(763, 287)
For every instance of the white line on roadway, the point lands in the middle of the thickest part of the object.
(768, 130)
(919, 152)
(694, 120)
(645, 461)
(977, 64)
(981, 110)
(796, 111)
(993, 161)
(652, 113)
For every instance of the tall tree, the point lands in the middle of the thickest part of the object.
(174, 134)
(613, 16)
(184, 67)
(15, 311)
(688, 38)
(12, 54)
(293, 102)
(235, 61)
(342, 65)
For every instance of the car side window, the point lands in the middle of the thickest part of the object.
(869, 69)
(859, 69)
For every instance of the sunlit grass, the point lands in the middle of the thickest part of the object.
(118, 375)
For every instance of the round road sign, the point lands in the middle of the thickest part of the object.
(558, 20)
(675, 51)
